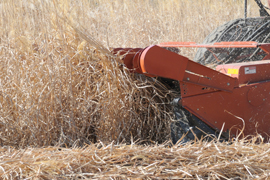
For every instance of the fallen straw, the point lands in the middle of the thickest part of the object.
(198, 160)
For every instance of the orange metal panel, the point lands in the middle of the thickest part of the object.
(157, 61)
(190, 89)
(127, 56)
(203, 75)
(266, 48)
(136, 62)
(246, 106)
(248, 72)
(237, 44)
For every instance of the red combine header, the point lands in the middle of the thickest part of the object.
(233, 98)
(227, 100)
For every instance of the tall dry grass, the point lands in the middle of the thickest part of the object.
(59, 84)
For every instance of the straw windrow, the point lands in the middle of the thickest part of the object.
(202, 160)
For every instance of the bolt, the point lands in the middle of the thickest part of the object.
(263, 99)
(188, 79)
(198, 109)
(228, 84)
(249, 101)
(216, 122)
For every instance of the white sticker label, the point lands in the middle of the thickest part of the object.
(250, 70)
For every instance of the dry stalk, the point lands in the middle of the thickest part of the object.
(205, 160)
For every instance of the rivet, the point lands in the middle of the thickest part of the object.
(188, 79)
(216, 122)
(228, 84)
(198, 109)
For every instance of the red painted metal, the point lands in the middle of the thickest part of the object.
(237, 44)
(248, 72)
(127, 55)
(234, 95)
(266, 48)
(157, 61)
(247, 106)
(190, 89)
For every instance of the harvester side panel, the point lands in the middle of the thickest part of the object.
(248, 105)
(248, 72)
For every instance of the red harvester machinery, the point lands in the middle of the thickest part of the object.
(233, 97)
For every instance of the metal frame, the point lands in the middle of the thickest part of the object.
(233, 101)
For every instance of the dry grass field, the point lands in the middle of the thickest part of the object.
(67, 107)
